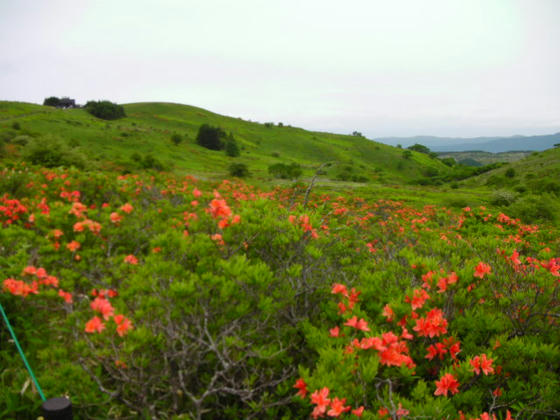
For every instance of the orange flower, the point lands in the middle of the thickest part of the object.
(73, 246)
(65, 295)
(419, 297)
(219, 208)
(358, 411)
(334, 332)
(388, 313)
(94, 325)
(115, 217)
(320, 398)
(447, 383)
(432, 325)
(339, 288)
(482, 363)
(338, 407)
(358, 324)
(124, 326)
(131, 259)
(102, 305)
(481, 270)
(302, 387)
(127, 208)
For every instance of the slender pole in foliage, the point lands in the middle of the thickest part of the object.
(306, 199)
(21, 353)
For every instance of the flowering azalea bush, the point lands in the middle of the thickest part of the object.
(166, 297)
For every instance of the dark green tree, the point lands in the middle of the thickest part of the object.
(176, 139)
(510, 173)
(231, 147)
(210, 137)
(51, 101)
(406, 154)
(239, 170)
(419, 148)
(105, 110)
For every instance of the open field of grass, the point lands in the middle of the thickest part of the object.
(148, 127)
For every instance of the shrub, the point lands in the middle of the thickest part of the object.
(105, 110)
(407, 154)
(231, 147)
(50, 152)
(420, 148)
(449, 161)
(176, 139)
(21, 140)
(16, 126)
(51, 101)
(510, 173)
(150, 162)
(495, 180)
(239, 170)
(7, 135)
(503, 198)
(534, 208)
(430, 172)
(280, 170)
(457, 202)
(210, 137)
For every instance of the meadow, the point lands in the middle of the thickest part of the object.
(185, 293)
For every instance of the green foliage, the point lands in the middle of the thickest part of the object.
(406, 154)
(105, 110)
(420, 148)
(239, 170)
(449, 161)
(510, 173)
(176, 139)
(503, 198)
(536, 208)
(230, 298)
(51, 152)
(150, 162)
(281, 170)
(210, 137)
(51, 101)
(231, 148)
(151, 125)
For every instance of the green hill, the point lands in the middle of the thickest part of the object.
(148, 128)
(531, 174)
(528, 188)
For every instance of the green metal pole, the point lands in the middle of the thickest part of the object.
(21, 353)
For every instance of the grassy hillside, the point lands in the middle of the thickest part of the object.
(528, 188)
(148, 127)
(485, 158)
(530, 173)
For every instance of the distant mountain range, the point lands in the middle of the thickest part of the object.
(485, 144)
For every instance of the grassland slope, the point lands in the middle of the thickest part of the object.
(148, 128)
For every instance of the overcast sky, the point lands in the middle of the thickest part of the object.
(382, 67)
